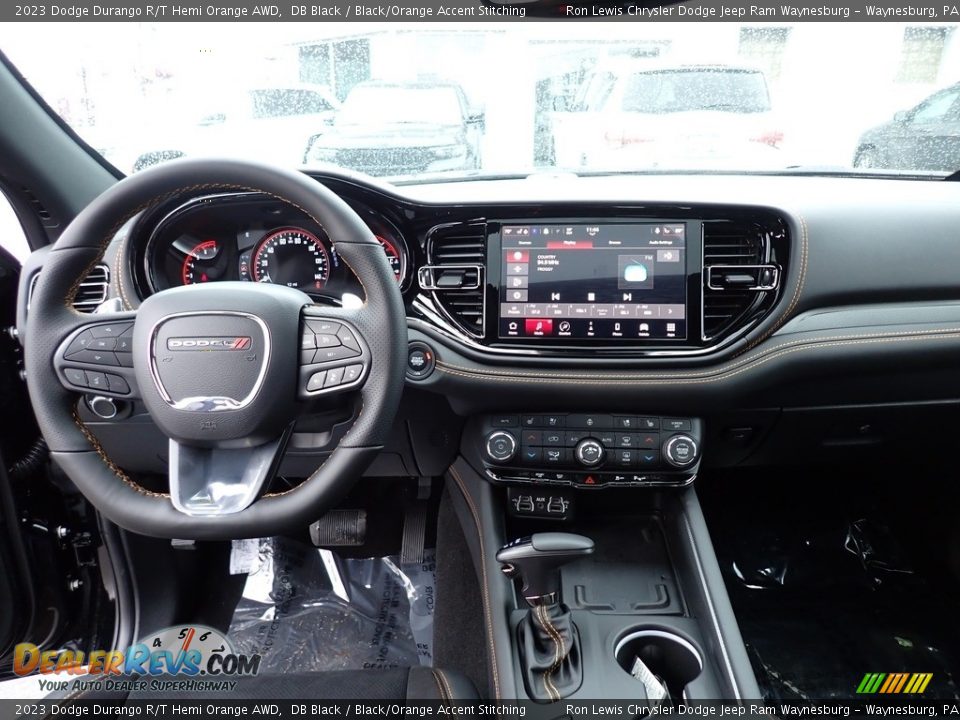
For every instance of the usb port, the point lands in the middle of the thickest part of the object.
(557, 506)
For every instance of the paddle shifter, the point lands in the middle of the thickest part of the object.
(548, 640)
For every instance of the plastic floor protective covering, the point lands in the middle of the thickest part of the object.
(830, 582)
(305, 609)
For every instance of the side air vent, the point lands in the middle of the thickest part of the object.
(738, 272)
(455, 275)
(93, 290)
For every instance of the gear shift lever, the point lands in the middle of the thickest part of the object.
(547, 639)
(537, 560)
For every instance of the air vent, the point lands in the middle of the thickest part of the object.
(457, 256)
(93, 290)
(730, 244)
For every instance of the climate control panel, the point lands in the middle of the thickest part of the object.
(590, 450)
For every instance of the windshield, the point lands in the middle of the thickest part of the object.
(434, 101)
(690, 90)
(368, 104)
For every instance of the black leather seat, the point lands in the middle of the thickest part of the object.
(416, 683)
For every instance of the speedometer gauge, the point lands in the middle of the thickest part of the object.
(291, 257)
(395, 257)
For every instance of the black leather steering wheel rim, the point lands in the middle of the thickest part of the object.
(381, 321)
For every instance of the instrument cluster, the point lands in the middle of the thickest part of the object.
(256, 239)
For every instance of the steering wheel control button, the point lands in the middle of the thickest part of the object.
(323, 327)
(105, 343)
(124, 344)
(308, 341)
(351, 373)
(95, 357)
(334, 377)
(329, 341)
(75, 376)
(97, 381)
(336, 353)
(117, 384)
(80, 343)
(501, 446)
(680, 450)
(421, 360)
(589, 453)
(113, 330)
(316, 381)
(346, 339)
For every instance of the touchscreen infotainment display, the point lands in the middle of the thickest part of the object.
(606, 282)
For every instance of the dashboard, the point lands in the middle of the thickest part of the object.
(787, 314)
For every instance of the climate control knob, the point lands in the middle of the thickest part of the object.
(680, 450)
(589, 453)
(501, 446)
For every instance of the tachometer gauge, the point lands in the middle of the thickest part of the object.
(199, 264)
(396, 258)
(291, 257)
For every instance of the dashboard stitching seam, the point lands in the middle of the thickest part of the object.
(693, 374)
(483, 572)
(722, 376)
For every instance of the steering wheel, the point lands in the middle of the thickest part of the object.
(224, 369)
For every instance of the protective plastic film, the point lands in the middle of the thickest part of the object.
(305, 609)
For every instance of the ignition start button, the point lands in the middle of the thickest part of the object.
(420, 361)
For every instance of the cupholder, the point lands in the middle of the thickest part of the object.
(670, 657)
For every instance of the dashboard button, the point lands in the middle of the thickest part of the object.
(649, 440)
(501, 446)
(316, 380)
(625, 422)
(648, 423)
(575, 436)
(553, 438)
(504, 421)
(606, 437)
(531, 421)
(624, 458)
(554, 421)
(676, 424)
(555, 456)
(626, 441)
(531, 437)
(589, 453)
(647, 458)
(598, 422)
(421, 361)
(531, 455)
(680, 450)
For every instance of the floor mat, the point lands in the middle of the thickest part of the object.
(825, 589)
(305, 609)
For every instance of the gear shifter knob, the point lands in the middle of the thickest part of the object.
(537, 561)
